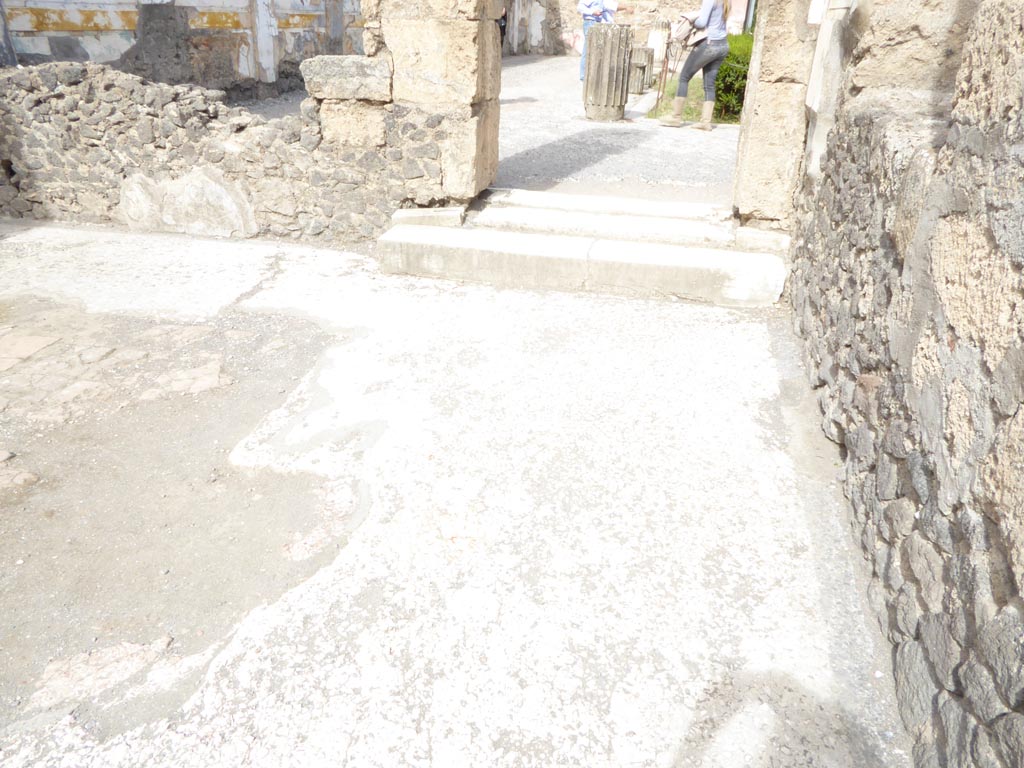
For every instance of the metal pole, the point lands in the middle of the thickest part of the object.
(8, 58)
(663, 76)
(748, 22)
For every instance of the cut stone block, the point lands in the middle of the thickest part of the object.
(469, 158)
(348, 77)
(770, 152)
(527, 260)
(634, 206)
(444, 62)
(725, 277)
(606, 224)
(752, 239)
(353, 123)
(433, 217)
(506, 259)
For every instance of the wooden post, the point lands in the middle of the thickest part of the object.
(606, 83)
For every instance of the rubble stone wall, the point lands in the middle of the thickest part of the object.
(414, 125)
(908, 287)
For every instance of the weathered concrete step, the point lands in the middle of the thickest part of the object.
(621, 218)
(530, 260)
(614, 226)
(605, 204)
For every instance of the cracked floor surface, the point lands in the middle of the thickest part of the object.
(279, 509)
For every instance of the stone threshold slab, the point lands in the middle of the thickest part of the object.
(612, 226)
(560, 262)
(605, 204)
(639, 105)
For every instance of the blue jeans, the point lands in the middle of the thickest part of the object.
(707, 55)
(583, 58)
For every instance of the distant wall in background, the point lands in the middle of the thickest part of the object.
(216, 43)
(414, 124)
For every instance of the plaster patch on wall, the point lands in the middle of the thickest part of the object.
(981, 289)
(246, 60)
(107, 47)
(26, 45)
(537, 16)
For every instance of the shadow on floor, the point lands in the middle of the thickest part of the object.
(773, 721)
(549, 164)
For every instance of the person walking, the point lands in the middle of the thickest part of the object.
(593, 13)
(708, 56)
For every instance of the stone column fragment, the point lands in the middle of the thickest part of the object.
(606, 84)
(641, 73)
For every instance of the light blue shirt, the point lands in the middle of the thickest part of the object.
(593, 9)
(712, 18)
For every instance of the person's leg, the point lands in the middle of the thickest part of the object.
(720, 51)
(583, 57)
(693, 64)
(711, 72)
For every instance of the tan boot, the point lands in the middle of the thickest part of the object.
(676, 118)
(705, 116)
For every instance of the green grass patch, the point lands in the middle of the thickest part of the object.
(694, 99)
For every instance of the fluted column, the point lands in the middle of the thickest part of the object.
(606, 83)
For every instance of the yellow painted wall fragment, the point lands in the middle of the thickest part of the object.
(216, 20)
(300, 20)
(53, 20)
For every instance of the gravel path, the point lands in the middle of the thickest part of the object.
(547, 143)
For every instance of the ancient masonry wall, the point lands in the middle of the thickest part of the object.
(413, 125)
(908, 287)
(224, 44)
